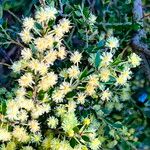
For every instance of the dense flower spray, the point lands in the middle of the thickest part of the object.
(46, 112)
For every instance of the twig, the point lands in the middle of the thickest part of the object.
(14, 16)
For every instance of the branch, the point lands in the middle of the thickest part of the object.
(136, 42)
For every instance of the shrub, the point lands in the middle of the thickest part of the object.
(64, 97)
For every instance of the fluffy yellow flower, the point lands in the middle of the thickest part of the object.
(104, 74)
(34, 65)
(61, 52)
(26, 36)
(51, 12)
(112, 42)
(12, 110)
(76, 57)
(21, 92)
(40, 44)
(134, 59)
(81, 98)
(106, 58)
(93, 80)
(61, 110)
(41, 15)
(71, 106)
(20, 134)
(50, 57)
(121, 80)
(106, 95)
(65, 87)
(58, 30)
(49, 41)
(34, 126)
(73, 72)
(52, 122)
(95, 144)
(4, 135)
(90, 89)
(65, 24)
(26, 80)
(17, 66)
(28, 23)
(58, 96)
(48, 81)
(43, 68)
(26, 53)
(22, 116)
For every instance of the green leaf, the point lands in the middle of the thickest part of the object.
(86, 138)
(97, 59)
(1, 11)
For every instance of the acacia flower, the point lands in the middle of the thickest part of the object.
(76, 57)
(28, 23)
(134, 59)
(106, 95)
(106, 58)
(52, 122)
(112, 42)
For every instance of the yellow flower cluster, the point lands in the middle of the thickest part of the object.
(50, 95)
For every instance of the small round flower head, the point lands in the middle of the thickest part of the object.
(73, 72)
(16, 67)
(112, 42)
(20, 134)
(49, 41)
(26, 36)
(90, 89)
(58, 30)
(43, 68)
(76, 57)
(51, 12)
(27, 148)
(121, 80)
(86, 121)
(65, 24)
(61, 52)
(106, 58)
(134, 59)
(34, 126)
(48, 81)
(21, 92)
(55, 144)
(34, 65)
(93, 80)
(71, 106)
(26, 80)
(41, 15)
(12, 110)
(81, 98)
(28, 23)
(26, 53)
(106, 95)
(52, 122)
(126, 73)
(50, 57)
(22, 116)
(65, 87)
(4, 135)
(36, 138)
(104, 74)
(69, 122)
(58, 96)
(95, 144)
(40, 44)
(60, 110)
(92, 19)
